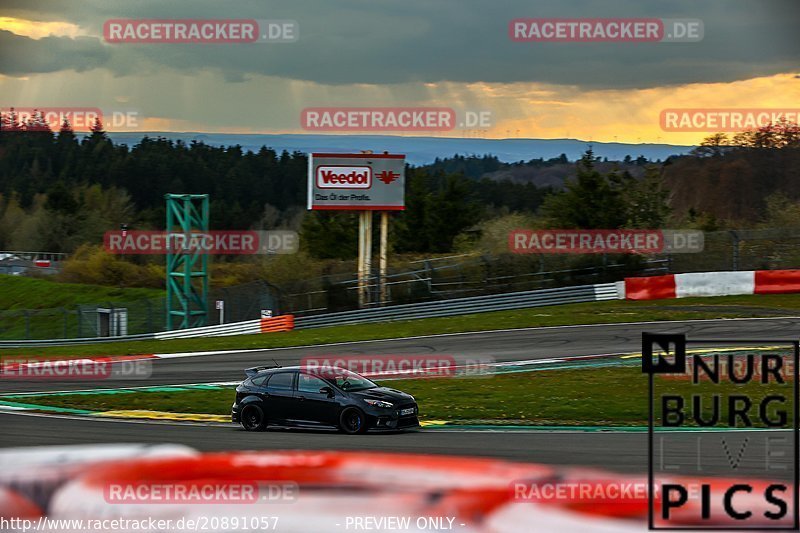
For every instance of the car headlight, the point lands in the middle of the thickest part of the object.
(379, 403)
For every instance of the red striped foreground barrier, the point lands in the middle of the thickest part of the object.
(302, 491)
(15, 505)
(712, 284)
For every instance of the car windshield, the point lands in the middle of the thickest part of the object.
(346, 380)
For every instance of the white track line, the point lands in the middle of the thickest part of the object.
(89, 391)
(444, 429)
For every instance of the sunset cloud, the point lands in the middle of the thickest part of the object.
(454, 54)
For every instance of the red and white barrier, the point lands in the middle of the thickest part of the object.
(712, 284)
(317, 490)
(248, 327)
(29, 476)
(777, 281)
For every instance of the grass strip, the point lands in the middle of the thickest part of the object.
(611, 397)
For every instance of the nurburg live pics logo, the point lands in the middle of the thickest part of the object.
(741, 423)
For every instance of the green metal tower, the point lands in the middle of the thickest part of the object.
(187, 270)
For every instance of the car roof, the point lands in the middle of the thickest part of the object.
(278, 369)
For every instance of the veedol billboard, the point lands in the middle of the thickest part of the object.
(356, 182)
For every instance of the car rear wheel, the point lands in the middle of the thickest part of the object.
(253, 418)
(352, 421)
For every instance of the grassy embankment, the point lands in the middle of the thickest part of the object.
(53, 305)
(608, 312)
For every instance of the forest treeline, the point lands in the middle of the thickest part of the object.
(60, 191)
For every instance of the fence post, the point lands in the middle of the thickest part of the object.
(228, 309)
(539, 282)
(27, 325)
(149, 315)
(79, 316)
(65, 315)
(429, 275)
(487, 266)
(735, 258)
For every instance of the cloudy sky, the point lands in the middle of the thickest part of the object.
(369, 53)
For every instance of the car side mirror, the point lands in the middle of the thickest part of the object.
(326, 390)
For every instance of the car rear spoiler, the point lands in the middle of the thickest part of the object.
(250, 372)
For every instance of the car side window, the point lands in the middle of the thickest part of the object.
(282, 381)
(306, 383)
(259, 381)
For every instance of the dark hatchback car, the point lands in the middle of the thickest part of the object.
(333, 398)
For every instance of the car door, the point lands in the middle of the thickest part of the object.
(314, 406)
(279, 396)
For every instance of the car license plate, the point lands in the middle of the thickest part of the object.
(409, 411)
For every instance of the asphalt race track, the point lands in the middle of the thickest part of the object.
(510, 345)
(618, 451)
(622, 451)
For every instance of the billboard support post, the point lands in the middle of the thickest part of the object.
(367, 255)
(360, 259)
(382, 258)
(362, 256)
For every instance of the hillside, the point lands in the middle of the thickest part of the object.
(18, 292)
(418, 150)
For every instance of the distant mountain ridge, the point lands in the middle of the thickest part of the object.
(419, 150)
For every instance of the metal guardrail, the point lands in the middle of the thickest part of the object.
(219, 330)
(33, 256)
(456, 306)
(463, 306)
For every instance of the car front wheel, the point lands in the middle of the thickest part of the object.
(253, 418)
(352, 421)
